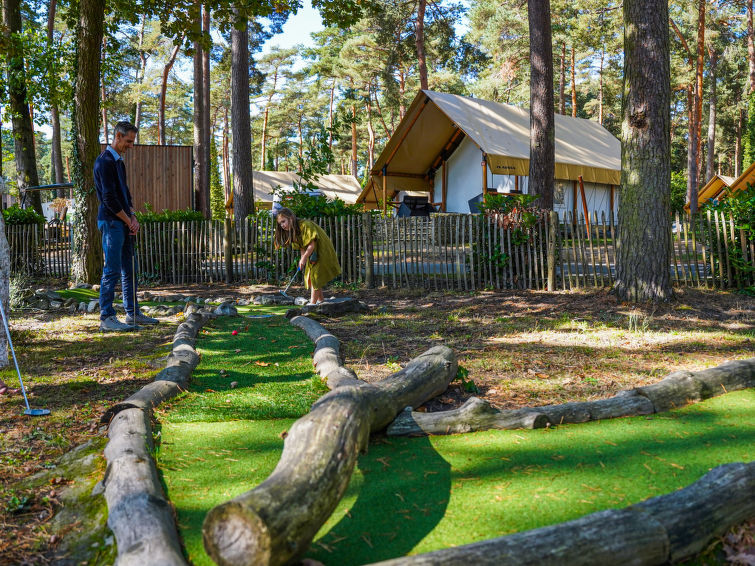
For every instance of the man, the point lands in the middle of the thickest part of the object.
(118, 225)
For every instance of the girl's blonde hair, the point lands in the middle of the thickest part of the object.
(284, 238)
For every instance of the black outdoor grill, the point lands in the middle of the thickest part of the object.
(415, 206)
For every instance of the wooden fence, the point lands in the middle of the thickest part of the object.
(445, 251)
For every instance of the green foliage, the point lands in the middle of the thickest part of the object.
(167, 215)
(501, 203)
(678, 191)
(462, 376)
(217, 195)
(740, 206)
(17, 215)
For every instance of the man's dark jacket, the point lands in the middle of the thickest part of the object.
(112, 190)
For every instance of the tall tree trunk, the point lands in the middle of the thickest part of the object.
(420, 42)
(141, 72)
(164, 91)
(573, 85)
(695, 128)
(370, 132)
(103, 96)
(87, 252)
(692, 151)
(401, 91)
(206, 131)
(711, 153)
(226, 159)
(542, 121)
(4, 288)
(263, 138)
(56, 146)
(562, 81)
(600, 86)
(330, 120)
(199, 107)
(738, 145)
(241, 128)
(23, 134)
(354, 140)
(750, 47)
(644, 232)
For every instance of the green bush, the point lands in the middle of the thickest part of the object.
(17, 215)
(740, 206)
(305, 205)
(184, 215)
(678, 191)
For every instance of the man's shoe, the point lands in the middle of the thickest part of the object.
(141, 319)
(112, 324)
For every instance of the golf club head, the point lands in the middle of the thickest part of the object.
(37, 412)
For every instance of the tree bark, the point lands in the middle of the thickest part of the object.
(199, 137)
(164, 91)
(420, 43)
(750, 48)
(87, 252)
(695, 126)
(103, 96)
(23, 133)
(712, 102)
(644, 234)
(542, 121)
(55, 147)
(661, 530)
(276, 521)
(562, 81)
(573, 85)
(207, 133)
(241, 128)
(354, 142)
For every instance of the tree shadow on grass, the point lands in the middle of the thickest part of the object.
(402, 490)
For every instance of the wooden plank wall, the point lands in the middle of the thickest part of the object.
(160, 175)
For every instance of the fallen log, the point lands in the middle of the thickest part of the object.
(326, 357)
(139, 514)
(475, 414)
(675, 390)
(332, 308)
(666, 528)
(275, 522)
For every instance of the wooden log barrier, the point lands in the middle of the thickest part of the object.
(326, 357)
(139, 514)
(475, 414)
(275, 522)
(174, 377)
(660, 530)
(675, 390)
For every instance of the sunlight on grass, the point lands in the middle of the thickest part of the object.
(412, 495)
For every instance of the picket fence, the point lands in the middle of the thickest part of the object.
(444, 251)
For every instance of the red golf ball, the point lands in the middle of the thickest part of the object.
(234, 333)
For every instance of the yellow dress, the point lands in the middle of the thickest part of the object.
(325, 268)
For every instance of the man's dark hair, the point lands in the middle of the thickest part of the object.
(123, 128)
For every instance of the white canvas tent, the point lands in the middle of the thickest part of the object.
(345, 187)
(447, 144)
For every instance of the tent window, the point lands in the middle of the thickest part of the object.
(559, 192)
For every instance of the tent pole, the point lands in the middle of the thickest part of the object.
(584, 205)
(385, 192)
(444, 190)
(484, 175)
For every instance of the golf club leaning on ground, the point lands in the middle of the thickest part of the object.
(29, 410)
(284, 292)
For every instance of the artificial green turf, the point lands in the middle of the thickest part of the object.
(412, 495)
(269, 359)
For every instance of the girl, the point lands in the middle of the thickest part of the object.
(318, 257)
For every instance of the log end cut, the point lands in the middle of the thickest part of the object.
(235, 535)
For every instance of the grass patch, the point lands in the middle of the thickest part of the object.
(270, 361)
(413, 495)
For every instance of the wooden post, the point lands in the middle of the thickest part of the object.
(484, 164)
(444, 189)
(611, 197)
(552, 235)
(228, 250)
(584, 205)
(385, 192)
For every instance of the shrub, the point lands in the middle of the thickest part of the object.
(17, 215)
(184, 215)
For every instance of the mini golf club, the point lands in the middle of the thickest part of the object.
(29, 411)
(298, 269)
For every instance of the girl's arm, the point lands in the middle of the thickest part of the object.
(305, 253)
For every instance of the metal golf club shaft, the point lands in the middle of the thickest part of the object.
(10, 344)
(298, 269)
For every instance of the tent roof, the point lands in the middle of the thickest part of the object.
(345, 187)
(712, 189)
(583, 147)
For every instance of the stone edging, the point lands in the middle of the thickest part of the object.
(139, 514)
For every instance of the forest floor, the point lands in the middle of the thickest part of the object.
(516, 348)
